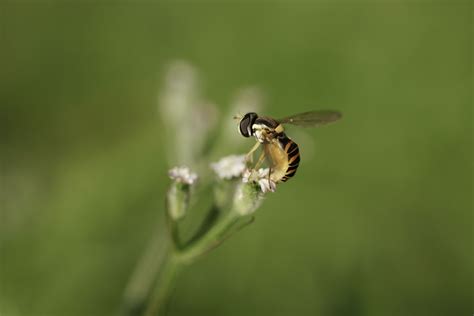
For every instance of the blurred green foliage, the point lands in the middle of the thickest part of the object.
(377, 222)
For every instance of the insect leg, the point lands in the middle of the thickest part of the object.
(269, 179)
(249, 156)
(260, 160)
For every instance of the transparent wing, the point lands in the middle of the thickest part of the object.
(312, 118)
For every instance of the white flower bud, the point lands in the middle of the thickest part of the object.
(177, 200)
(186, 116)
(179, 193)
(247, 199)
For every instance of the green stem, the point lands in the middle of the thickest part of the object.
(210, 240)
(143, 278)
(164, 285)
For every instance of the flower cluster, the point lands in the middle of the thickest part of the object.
(183, 175)
(229, 167)
(261, 177)
(245, 197)
(234, 166)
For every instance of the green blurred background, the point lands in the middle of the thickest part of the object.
(377, 222)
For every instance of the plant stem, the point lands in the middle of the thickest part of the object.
(214, 236)
(143, 278)
(164, 285)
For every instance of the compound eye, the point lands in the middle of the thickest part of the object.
(244, 126)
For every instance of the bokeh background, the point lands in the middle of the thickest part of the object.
(378, 220)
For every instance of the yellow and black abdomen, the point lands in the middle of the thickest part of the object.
(293, 157)
(285, 158)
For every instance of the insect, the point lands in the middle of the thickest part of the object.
(282, 153)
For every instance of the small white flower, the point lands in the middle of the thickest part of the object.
(183, 175)
(229, 167)
(260, 177)
(246, 175)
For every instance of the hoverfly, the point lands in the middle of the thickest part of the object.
(282, 153)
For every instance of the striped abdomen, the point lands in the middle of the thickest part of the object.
(284, 156)
(293, 152)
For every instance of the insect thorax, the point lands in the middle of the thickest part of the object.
(264, 129)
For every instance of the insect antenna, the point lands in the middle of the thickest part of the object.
(237, 117)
